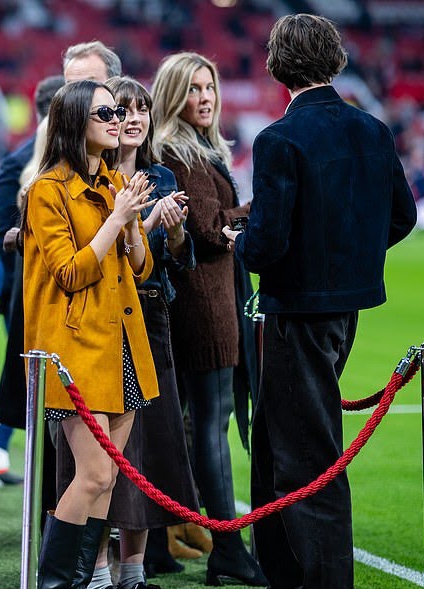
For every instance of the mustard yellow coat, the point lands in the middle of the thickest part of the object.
(75, 306)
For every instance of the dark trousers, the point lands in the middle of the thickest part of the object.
(296, 436)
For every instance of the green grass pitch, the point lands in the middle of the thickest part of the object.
(386, 477)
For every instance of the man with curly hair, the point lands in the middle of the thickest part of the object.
(329, 198)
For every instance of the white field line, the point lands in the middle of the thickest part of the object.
(375, 562)
(389, 567)
(405, 409)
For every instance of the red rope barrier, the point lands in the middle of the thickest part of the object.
(375, 398)
(396, 382)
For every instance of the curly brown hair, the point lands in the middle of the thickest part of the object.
(305, 49)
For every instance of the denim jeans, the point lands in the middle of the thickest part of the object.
(296, 436)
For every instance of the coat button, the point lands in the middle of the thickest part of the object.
(119, 278)
(127, 310)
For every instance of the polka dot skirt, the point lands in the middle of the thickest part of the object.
(133, 397)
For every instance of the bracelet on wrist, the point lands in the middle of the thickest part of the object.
(129, 246)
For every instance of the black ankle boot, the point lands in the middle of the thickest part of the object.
(230, 562)
(88, 552)
(157, 558)
(59, 553)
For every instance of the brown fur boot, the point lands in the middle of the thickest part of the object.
(193, 535)
(178, 549)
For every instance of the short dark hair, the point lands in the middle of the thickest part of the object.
(108, 56)
(44, 92)
(305, 49)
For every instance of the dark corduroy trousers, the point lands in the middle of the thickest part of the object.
(296, 436)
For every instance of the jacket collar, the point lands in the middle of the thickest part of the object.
(320, 95)
(152, 170)
(76, 186)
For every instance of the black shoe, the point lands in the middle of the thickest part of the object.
(163, 567)
(157, 558)
(7, 478)
(231, 563)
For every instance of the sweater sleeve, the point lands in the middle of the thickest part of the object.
(208, 209)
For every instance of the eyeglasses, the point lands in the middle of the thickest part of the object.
(106, 114)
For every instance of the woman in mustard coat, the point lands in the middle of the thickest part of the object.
(84, 245)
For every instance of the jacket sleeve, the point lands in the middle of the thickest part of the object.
(404, 209)
(72, 269)
(266, 237)
(206, 216)
(148, 260)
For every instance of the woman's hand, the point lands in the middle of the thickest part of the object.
(132, 198)
(173, 217)
(180, 197)
(155, 217)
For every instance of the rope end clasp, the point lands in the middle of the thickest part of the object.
(63, 373)
(404, 364)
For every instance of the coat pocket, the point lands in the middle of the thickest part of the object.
(76, 309)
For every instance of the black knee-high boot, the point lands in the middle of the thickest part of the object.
(88, 552)
(59, 553)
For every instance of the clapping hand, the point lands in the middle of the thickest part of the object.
(133, 197)
(172, 216)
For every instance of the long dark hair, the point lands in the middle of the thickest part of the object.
(68, 119)
(125, 90)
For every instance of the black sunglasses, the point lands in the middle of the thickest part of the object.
(106, 114)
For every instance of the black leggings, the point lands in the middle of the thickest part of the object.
(209, 397)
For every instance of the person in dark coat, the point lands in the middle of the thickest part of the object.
(329, 197)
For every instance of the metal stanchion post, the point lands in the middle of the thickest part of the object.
(258, 320)
(33, 468)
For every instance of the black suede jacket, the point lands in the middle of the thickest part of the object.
(329, 197)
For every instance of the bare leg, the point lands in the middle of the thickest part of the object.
(95, 473)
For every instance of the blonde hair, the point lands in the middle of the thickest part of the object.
(169, 94)
(30, 171)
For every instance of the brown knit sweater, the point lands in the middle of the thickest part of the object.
(204, 323)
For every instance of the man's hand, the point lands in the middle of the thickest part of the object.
(231, 236)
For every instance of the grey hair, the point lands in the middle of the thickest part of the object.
(110, 58)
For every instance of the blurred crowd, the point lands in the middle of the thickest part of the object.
(384, 75)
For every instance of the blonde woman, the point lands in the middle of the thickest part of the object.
(204, 322)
